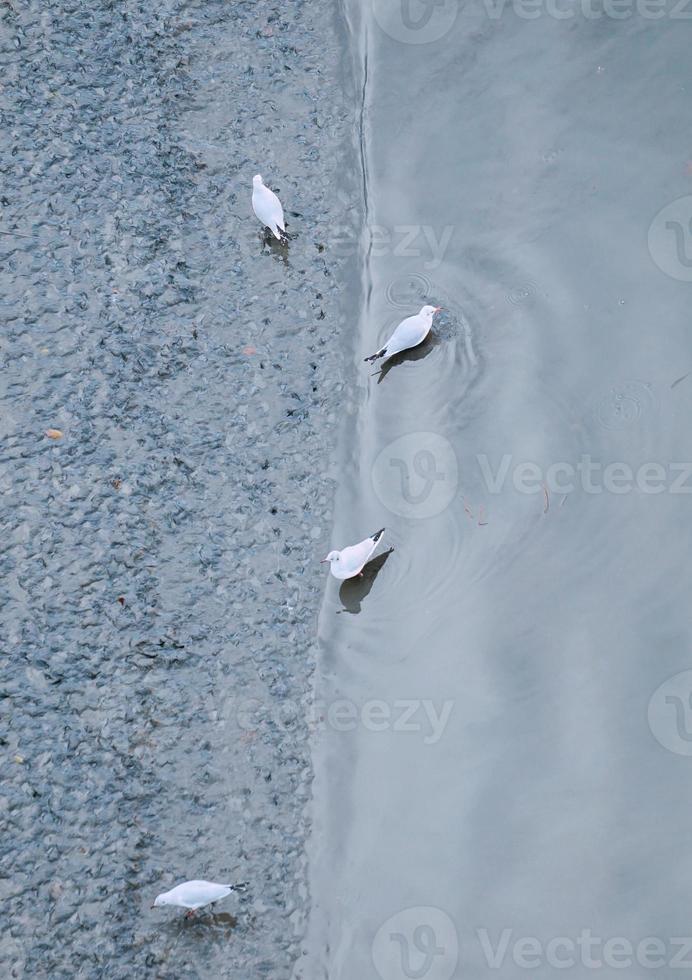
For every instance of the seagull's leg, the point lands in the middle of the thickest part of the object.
(190, 914)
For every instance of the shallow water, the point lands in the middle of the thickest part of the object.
(498, 761)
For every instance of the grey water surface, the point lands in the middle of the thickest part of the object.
(159, 558)
(503, 786)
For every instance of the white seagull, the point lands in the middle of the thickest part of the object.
(267, 207)
(410, 332)
(193, 895)
(347, 563)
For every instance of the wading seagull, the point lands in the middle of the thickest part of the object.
(267, 207)
(410, 332)
(193, 895)
(350, 561)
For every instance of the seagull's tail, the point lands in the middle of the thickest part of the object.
(377, 535)
(242, 886)
(374, 357)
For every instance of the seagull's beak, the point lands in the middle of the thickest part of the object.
(438, 309)
(323, 560)
(152, 906)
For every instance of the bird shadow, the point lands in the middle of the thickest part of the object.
(222, 922)
(414, 354)
(354, 590)
(278, 247)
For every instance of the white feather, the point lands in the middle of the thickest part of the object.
(267, 208)
(349, 562)
(194, 894)
(409, 333)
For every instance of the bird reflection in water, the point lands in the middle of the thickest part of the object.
(415, 354)
(354, 590)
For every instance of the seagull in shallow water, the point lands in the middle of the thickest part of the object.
(193, 895)
(410, 332)
(267, 207)
(350, 561)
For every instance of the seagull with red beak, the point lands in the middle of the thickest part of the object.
(410, 332)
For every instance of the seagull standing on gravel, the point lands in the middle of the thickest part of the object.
(267, 207)
(410, 332)
(193, 895)
(349, 562)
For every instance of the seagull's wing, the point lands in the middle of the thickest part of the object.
(195, 894)
(409, 333)
(354, 557)
(268, 208)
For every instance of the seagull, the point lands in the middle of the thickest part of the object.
(193, 895)
(267, 207)
(410, 332)
(349, 562)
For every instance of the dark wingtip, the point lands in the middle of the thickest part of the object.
(374, 357)
(377, 535)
